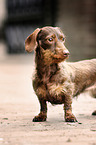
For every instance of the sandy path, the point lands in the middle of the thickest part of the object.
(18, 105)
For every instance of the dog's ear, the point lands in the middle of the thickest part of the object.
(30, 42)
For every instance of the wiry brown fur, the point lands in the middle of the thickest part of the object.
(56, 80)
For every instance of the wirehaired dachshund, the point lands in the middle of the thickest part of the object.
(55, 80)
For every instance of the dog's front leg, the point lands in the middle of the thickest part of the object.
(43, 112)
(69, 117)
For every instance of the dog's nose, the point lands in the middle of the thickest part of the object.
(66, 53)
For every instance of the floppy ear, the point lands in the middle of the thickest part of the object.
(30, 42)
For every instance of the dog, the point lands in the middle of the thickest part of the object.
(56, 80)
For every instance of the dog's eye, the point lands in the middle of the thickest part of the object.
(50, 39)
(63, 39)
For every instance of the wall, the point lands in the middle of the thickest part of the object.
(77, 18)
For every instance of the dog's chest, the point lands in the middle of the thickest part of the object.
(51, 89)
(52, 85)
(53, 92)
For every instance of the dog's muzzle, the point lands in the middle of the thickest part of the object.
(66, 53)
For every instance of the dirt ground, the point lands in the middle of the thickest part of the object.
(19, 104)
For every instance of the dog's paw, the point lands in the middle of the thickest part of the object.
(94, 113)
(70, 118)
(40, 118)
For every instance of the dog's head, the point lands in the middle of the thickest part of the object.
(50, 41)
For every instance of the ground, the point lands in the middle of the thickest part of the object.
(19, 104)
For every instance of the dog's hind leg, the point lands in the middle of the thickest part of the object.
(92, 92)
(94, 113)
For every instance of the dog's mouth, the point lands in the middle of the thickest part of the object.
(60, 58)
(61, 55)
(66, 55)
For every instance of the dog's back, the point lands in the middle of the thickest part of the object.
(83, 74)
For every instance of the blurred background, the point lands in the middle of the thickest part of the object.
(18, 103)
(77, 19)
